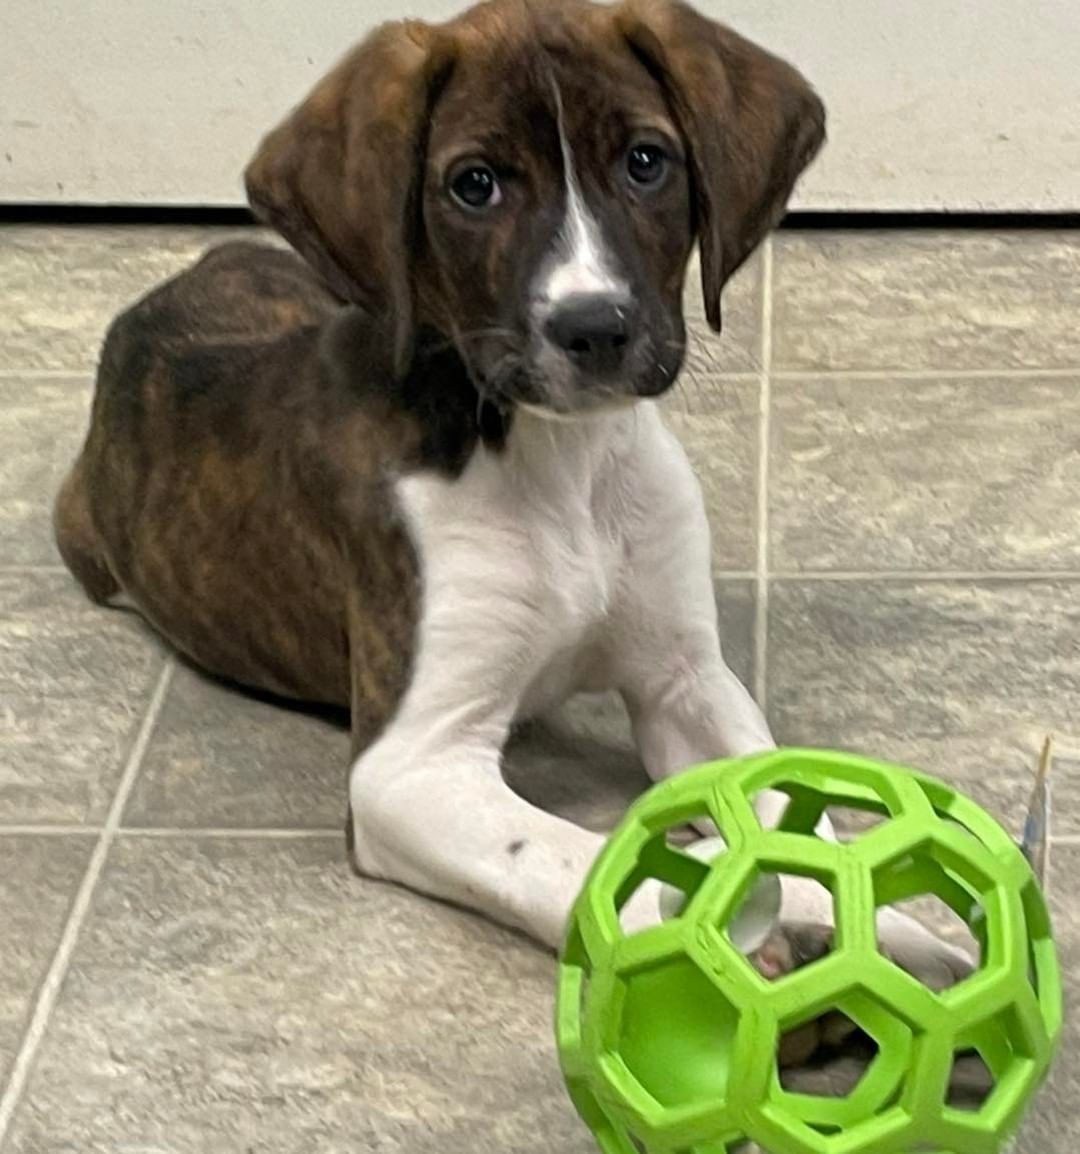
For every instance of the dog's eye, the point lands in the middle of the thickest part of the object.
(476, 186)
(646, 164)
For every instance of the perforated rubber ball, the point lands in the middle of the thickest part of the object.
(669, 1037)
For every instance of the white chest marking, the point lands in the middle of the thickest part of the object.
(521, 557)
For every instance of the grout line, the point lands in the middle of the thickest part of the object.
(251, 833)
(1065, 839)
(741, 375)
(922, 374)
(717, 372)
(794, 574)
(257, 831)
(58, 568)
(50, 831)
(80, 908)
(761, 599)
(926, 575)
(86, 374)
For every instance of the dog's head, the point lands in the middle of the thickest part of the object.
(529, 180)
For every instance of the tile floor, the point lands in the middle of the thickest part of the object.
(889, 438)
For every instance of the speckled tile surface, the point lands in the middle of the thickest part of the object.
(926, 300)
(938, 474)
(738, 349)
(233, 987)
(38, 880)
(716, 417)
(74, 684)
(234, 996)
(962, 679)
(248, 763)
(62, 286)
(42, 425)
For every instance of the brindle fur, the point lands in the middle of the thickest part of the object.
(236, 482)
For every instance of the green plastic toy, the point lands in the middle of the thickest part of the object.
(668, 1037)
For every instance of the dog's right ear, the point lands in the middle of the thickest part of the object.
(750, 121)
(339, 179)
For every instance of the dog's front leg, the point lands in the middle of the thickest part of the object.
(688, 707)
(436, 816)
(429, 807)
(686, 704)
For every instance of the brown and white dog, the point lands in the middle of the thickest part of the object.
(419, 471)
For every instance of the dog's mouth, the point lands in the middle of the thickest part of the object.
(533, 376)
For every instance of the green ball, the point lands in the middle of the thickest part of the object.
(668, 1037)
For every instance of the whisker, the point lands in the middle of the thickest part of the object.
(462, 338)
(480, 334)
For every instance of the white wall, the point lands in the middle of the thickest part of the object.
(961, 104)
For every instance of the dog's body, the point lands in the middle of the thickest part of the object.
(426, 494)
(293, 531)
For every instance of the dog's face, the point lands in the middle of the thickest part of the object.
(557, 222)
(529, 180)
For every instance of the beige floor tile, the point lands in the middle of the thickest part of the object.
(578, 763)
(38, 880)
(737, 349)
(962, 680)
(42, 426)
(926, 300)
(63, 285)
(940, 474)
(256, 996)
(219, 757)
(716, 419)
(75, 681)
(715, 416)
(736, 601)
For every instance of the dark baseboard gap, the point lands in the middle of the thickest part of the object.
(238, 217)
(223, 216)
(974, 221)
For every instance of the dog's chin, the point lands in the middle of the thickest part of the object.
(568, 395)
(597, 407)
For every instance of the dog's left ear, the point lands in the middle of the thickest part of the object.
(339, 179)
(751, 122)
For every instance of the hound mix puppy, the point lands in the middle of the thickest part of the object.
(418, 470)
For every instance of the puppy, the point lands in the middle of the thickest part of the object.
(417, 470)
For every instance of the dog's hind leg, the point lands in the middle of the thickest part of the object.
(78, 540)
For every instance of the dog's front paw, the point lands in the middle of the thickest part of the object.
(834, 1036)
(647, 907)
(936, 963)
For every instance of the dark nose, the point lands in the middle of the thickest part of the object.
(593, 329)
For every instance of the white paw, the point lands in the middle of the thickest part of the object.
(936, 963)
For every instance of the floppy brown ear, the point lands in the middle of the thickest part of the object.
(752, 124)
(339, 179)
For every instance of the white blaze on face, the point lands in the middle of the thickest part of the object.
(580, 262)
